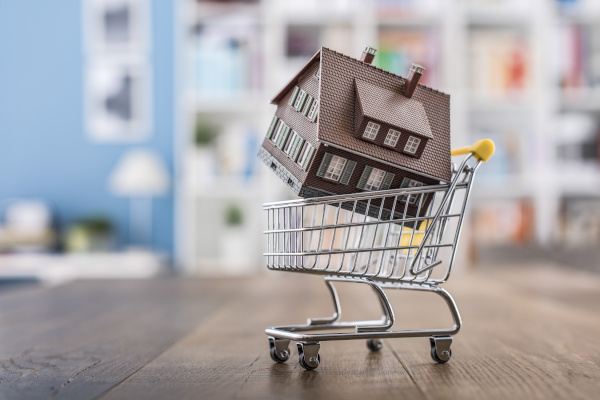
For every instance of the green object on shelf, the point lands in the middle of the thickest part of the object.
(204, 133)
(90, 234)
(234, 216)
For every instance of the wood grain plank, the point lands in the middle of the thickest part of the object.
(113, 330)
(516, 343)
(227, 356)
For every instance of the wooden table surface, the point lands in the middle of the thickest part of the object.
(529, 333)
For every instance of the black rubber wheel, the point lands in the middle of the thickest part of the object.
(279, 358)
(374, 344)
(308, 367)
(436, 358)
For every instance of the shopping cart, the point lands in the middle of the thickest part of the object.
(374, 239)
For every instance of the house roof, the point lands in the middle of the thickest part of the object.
(392, 108)
(337, 112)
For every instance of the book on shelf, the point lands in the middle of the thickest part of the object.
(227, 57)
(499, 64)
(577, 139)
(399, 48)
(399, 8)
(580, 222)
(508, 160)
(578, 61)
(503, 222)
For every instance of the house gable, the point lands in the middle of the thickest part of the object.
(337, 116)
(291, 153)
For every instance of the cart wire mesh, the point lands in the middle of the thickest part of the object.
(406, 235)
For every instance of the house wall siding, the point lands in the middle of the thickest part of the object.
(314, 182)
(298, 122)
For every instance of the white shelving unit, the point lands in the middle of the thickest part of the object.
(530, 114)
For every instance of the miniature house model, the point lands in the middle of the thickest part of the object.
(343, 126)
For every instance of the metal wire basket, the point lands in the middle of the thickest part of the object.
(392, 239)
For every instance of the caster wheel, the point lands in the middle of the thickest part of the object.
(374, 344)
(440, 349)
(279, 350)
(310, 364)
(308, 355)
(280, 357)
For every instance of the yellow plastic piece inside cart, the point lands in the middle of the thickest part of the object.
(407, 234)
(482, 150)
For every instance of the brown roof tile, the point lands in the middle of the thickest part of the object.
(336, 114)
(392, 108)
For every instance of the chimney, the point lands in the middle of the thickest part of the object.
(414, 75)
(368, 55)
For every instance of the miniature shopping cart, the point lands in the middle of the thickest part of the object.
(375, 239)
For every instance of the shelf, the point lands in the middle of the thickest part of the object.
(481, 104)
(417, 21)
(243, 104)
(585, 100)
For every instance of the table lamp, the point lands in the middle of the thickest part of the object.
(140, 174)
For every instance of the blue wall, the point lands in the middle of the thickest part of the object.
(44, 150)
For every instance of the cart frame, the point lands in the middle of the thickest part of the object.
(403, 247)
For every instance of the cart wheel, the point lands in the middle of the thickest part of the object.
(440, 349)
(308, 355)
(279, 350)
(374, 344)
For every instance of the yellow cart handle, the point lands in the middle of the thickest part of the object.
(482, 150)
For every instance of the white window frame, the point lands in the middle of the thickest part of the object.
(313, 109)
(412, 145)
(375, 179)
(278, 130)
(299, 97)
(371, 130)
(335, 168)
(391, 139)
(412, 199)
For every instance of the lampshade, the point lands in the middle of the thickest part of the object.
(139, 172)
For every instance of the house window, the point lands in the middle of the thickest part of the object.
(280, 137)
(300, 100)
(371, 131)
(278, 130)
(272, 127)
(375, 179)
(307, 105)
(336, 166)
(409, 183)
(288, 146)
(392, 138)
(294, 96)
(312, 114)
(306, 156)
(412, 145)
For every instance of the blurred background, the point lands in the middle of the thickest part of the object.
(129, 128)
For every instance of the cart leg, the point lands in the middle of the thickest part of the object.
(279, 349)
(308, 354)
(337, 310)
(440, 348)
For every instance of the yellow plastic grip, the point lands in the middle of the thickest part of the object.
(482, 150)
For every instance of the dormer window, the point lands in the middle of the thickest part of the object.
(392, 138)
(412, 145)
(371, 130)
